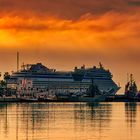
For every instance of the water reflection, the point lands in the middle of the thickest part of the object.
(36, 119)
(98, 114)
(130, 113)
(3, 118)
(71, 121)
(92, 118)
(32, 120)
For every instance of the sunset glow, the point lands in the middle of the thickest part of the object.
(62, 35)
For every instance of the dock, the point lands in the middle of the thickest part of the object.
(121, 98)
(116, 98)
(9, 99)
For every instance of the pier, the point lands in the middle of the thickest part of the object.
(116, 98)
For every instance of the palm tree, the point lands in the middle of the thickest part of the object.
(6, 77)
(2, 87)
(2, 83)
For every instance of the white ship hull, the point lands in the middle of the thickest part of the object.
(38, 77)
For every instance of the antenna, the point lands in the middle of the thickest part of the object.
(100, 65)
(17, 61)
(127, 77)
(131, 78)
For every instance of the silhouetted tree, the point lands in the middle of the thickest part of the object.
(6, 76)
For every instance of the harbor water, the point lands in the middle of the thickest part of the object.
(69, 121)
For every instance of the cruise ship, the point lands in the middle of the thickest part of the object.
(40, 77)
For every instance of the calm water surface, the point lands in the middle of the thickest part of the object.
(69, 121)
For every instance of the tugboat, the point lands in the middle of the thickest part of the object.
(131, 89)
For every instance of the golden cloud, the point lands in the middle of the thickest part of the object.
(110, 29)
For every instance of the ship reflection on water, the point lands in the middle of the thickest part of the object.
(71, 121)
(131, 112)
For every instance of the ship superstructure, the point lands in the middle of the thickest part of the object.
(39, 77)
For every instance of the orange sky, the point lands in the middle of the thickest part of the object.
(67, 33)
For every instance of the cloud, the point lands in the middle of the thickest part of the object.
(134, 2)
(106, 34)
(68, 9)
(107, 22)
(71, 32)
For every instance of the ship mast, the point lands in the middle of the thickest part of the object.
(131, 79)
(17, 61)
